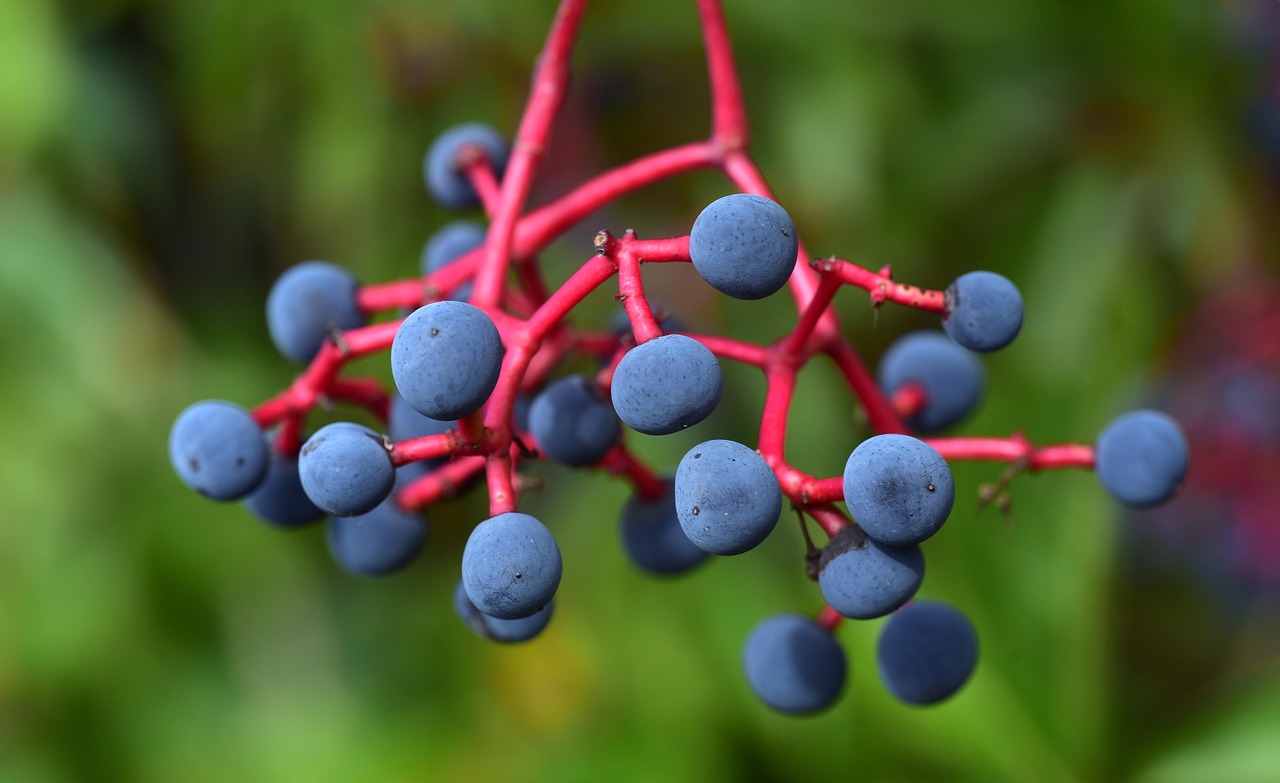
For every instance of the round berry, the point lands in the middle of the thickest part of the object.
(447, 245)
(573, 424)
(744, 245)
(898, 488)
(1141, 458)
(861, 578)
(794, 665)
(983, 311)
(445, 359)
(652, 536)
(377, 543)
(511, 566)
(666, 384)
(926, 652)
(280, 500)
(218, 450)
(307, 303)
(442, 170)
(346, 469)
(495, 629)
(949, 375)
(727, 497)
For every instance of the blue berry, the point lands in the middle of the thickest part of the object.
(666, 384)
(572, 423)
(861, 578)
(445, 359)
(950, 375)
(445, 180)
(794, 665)
(495, 629)
(346, 469)
(926, 652)
(744, 246)
(652, 536)
(381, 541)
(511, 566)
(280, 500)
(1141, 458)
(727, 497)
(305, 305)
(447, 245)
(218, 450)
(983, 311)
(898, 489)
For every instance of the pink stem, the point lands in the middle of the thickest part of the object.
(550, 84)
(729, 128)
(881, 286)
(1014, 448)
(880, 414)
(738, 351)
(621, 462)
(829, 619)
(440, 484)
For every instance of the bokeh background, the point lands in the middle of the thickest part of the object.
(161, 163)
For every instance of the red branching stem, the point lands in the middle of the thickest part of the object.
(396, 295)
(519, 303)
(543, 225)
(425, 447)
(502, 402)
(320, 376)
(621, 462)
(523, 342)
(502, 487)
(880, 414)
(780, 379)
(414, 292)
(550, 84)
(478, 170)
(881, 286)
(796, 343)
(588, 278)
(366, 340)
(736, 350)
(828, 517)
(278, 409)
(537, 229)
(792, 482)
(471, 430)
(604, 376)
(366, 392)
(288, 440)
(1015, 448)
(658, 251)
(729, 128)
(601, 345)
(529, 277)
(825, 490)
(744, 174)
(631, 291)
(909, 400)
(829, 619)
(440, 484)
(543, 364)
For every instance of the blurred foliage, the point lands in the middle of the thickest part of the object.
(161, 163)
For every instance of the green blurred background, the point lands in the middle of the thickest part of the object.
(162, 162)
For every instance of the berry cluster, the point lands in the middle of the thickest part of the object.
(480, 369)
